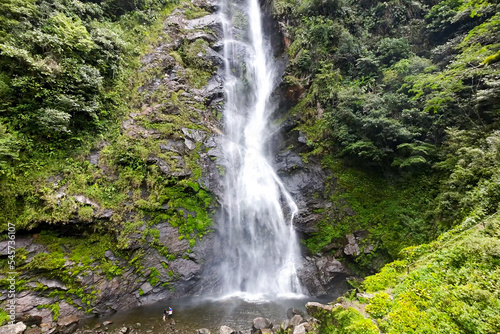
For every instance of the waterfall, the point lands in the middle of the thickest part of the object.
(260, 247)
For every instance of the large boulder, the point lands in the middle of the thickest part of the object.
(315, 309)
(16, 328)
(261, 323)
(68, 324)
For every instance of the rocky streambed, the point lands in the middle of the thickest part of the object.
(228, 316)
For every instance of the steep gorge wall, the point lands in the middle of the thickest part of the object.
(146, 239)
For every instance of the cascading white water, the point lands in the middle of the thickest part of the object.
(260, 246)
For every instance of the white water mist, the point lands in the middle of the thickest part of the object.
(260, 247)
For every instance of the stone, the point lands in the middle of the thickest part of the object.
(13, 329)
(352, 247)
(176, 146)
(291, 312)
(34, 330)
(203, 331)
(106, 213)
(300, 329)
(106, 323)
(210, 21)
(51, 283)
(146, 287)
(186, 269)
(85, 200)
(69, 320)
(109, 255)
(196, 135)
(225, 330)
(124, 330)
(189, 144)
(261, 323)
(296, 320)
(364, 295)
(94, 158)
(46, 326)
(314, 308)
(67, 324)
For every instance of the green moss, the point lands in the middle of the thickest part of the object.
(86, 213)
(193, 12)
(343, 321)
(4, 317)
(448, 286)
(198, 78)
(392, 211)
(54, 308)
(379, 305)
(154, 276)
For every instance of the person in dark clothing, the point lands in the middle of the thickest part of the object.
(164, 314)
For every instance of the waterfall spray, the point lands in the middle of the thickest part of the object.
(260, 247)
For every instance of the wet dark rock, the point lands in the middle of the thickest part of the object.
(291, 312)
(30, 321)
(67, 325)
(187, 269)
(323, 275)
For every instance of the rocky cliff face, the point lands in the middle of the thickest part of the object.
(152, 244)
(155, 242)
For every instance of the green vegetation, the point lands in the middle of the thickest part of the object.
(70, 76)
(4, 317)
(451, 285)
(401, 103)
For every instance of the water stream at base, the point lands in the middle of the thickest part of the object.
(193, 313)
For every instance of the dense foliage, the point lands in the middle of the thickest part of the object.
(400, 99)
(451, 285)
(74, 178)
(406, 92)
(61, 62)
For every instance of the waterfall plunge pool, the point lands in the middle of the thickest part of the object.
(193, 313)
